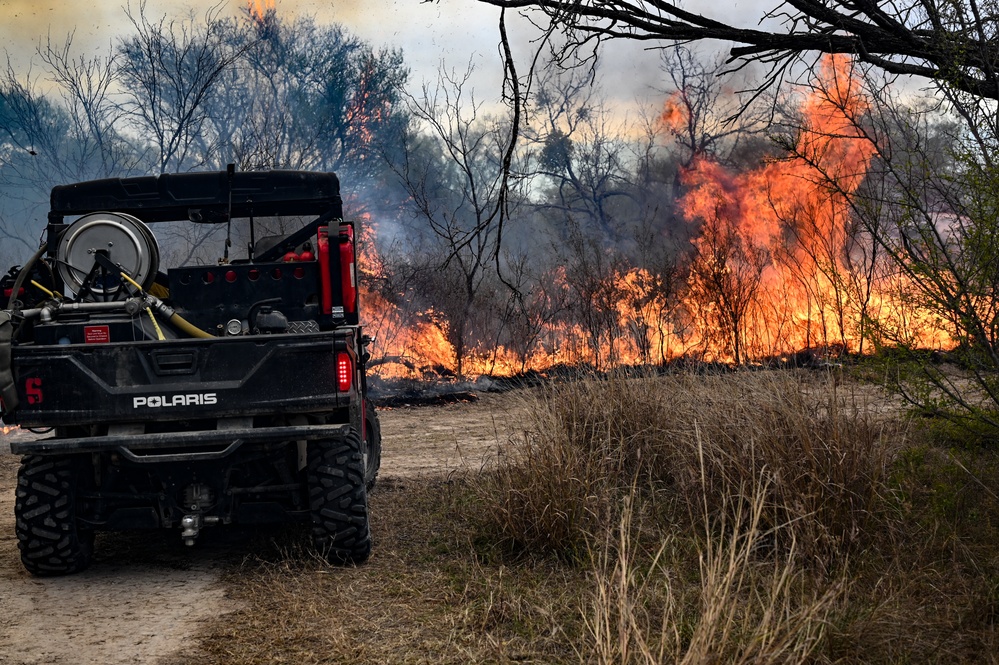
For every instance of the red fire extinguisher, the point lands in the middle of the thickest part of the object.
(348, 271)
(325, 290)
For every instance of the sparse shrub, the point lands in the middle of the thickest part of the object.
(717, 514)
(821, 452)
(580, 451)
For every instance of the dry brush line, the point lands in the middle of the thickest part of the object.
(689, 444)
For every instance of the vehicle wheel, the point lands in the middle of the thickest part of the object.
(49, 536)
(338, 499)
(372, 446)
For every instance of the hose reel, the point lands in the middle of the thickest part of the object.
(124, 239)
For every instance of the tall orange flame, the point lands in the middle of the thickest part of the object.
(259, 9)
(782, 233)
(674, 115)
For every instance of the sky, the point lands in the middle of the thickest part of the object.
(452, 32)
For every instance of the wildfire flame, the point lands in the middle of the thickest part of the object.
(794, 275)
(674, 115)
(776, 268)
(259, 9)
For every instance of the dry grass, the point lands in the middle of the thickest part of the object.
(745, 518)
(760, 517)
(744, 611)
(692, 445)
(425, 595)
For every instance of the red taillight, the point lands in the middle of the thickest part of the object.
(344, 371)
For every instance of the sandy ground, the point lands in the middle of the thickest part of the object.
(145, 594)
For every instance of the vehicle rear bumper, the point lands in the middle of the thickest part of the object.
(134, 445)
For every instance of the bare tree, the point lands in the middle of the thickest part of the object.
(582, 152)
(456, 196)
(168, 70)
(725, 275)
(813, 249)
(866, 263)
(818, 232)
(706, 118)
(533, 306)
(86, 89)
(934, 214)
(34, 133)
(663, 281)
(592, 269)
(71, 132)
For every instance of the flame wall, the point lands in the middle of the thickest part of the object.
(777, 265)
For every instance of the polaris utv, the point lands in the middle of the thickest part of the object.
(230, 392)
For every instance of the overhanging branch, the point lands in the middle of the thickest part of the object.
(951, 41)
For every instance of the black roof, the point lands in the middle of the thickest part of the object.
(204, 197)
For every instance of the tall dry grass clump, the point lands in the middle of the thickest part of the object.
(693, 447)
(716, 513)
(742, 610)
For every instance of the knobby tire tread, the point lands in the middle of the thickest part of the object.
(48, 535)
(338, 499)
(374, 444)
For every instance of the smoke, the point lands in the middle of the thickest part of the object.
(424, 31)
(25, 23)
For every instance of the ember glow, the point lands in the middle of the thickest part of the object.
(777, 266)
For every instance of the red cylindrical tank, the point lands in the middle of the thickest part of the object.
(325, 281)
(348, 273)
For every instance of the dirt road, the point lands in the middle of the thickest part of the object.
(145, 594)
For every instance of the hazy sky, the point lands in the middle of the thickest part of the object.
(452, 31)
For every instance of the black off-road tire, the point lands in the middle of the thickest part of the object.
(48, 533)
(372, 445)
(338, 499)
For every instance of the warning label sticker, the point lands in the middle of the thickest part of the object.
(96, 334)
